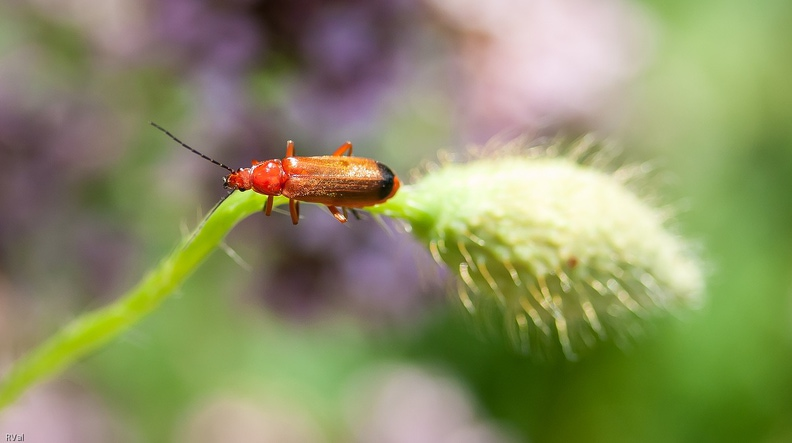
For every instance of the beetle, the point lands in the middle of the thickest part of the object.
(336, 181)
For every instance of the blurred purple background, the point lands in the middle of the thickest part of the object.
(236, 79)
(91, 197)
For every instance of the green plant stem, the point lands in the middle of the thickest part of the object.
(94, 329)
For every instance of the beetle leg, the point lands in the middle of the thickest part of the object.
(294, 210)
(346, 148)
(352, 210)
(268, 205)
(290, 148)
(337, 214)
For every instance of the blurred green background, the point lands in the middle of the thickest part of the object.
(339, 333)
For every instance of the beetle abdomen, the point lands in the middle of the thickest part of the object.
(338, 181)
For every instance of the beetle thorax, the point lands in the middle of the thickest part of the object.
(268, 177)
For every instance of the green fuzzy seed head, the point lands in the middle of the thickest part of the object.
(556, 254)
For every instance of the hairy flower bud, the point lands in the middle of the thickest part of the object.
(554, 253)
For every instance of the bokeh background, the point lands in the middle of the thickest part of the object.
(324, 332)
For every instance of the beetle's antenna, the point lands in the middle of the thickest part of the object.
(191, 149)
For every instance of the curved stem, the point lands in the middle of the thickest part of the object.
(94, 329)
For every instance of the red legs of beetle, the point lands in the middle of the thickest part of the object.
(352, 210)
(346, 148)
(294, 210)
(342, 214)
(337, 214)
(290, 148)
(268, 205)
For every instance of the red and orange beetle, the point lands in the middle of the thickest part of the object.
(331, 180)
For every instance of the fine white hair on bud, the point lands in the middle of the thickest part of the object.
(551, 246)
